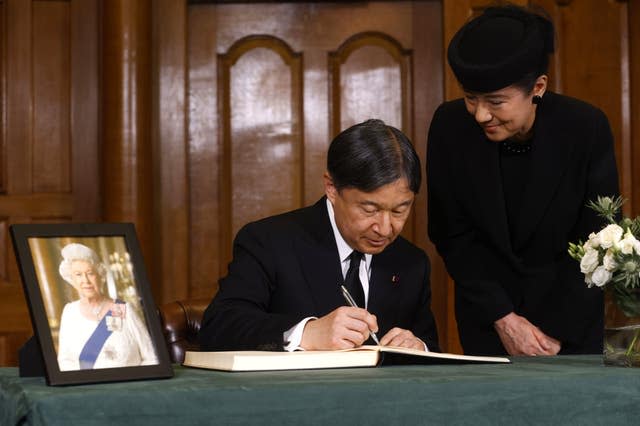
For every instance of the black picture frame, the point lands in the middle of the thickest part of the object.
(38, 249)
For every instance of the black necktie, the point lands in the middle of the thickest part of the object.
(352, 279)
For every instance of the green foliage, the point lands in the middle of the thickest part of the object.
(607, 207)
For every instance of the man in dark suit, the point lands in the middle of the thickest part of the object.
(283, 290)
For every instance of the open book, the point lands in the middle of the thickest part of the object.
(363, 356)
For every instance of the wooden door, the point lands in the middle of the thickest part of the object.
(49, 139)
(271, 84)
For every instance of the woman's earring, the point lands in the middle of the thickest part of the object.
(536, 99)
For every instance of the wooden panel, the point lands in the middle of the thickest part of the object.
(262, 136)
(19, 89)
(15, 314)
(633, 21)
(591, 54)
(51, 115)
(85, 107)
(9, 344)
(3, 156)
(171, 251)
(5, 251)
(205, 265)
(370, 77)
(37, 206)
(50, 119)
(428, 69)
(127, 168)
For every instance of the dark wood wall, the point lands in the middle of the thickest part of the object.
(190, 119)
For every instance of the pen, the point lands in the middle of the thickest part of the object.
(352, 302)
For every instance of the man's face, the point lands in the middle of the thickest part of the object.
(370, 221)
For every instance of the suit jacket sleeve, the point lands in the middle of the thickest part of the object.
(424, 325)
(239, 317)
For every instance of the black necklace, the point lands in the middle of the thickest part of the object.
(513, 147)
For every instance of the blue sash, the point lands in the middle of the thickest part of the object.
(94, 344)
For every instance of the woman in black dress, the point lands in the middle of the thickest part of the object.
(510, 169)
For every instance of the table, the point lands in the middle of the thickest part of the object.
(556, 390)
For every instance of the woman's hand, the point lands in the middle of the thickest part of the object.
(520, 337)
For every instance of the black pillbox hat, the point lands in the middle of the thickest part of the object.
(499, 48)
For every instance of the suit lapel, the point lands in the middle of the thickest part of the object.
(383, 300)
(315, 251)
(548, 162)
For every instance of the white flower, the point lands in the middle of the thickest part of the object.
(588, 280)
(627, 244)
(608, 261)
(589, 261)
(636, 247)
(592, 242)
(601, 276)
(610, 235)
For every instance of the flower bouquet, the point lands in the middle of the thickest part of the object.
(610, 259)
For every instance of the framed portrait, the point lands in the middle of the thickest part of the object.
(91, 307)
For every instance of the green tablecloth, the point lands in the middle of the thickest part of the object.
(558, 390)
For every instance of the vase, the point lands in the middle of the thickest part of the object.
(621, 329)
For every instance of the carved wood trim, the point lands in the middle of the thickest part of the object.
(85, 112)
(370, 38)
(3, 85)
(19, 109)
(170, 142)
(225, 63)
(126, 114)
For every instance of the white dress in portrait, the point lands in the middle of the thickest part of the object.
(127, 345)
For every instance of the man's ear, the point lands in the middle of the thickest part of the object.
(329, 188)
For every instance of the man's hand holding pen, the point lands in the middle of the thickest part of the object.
(348, 327)
(344, 328)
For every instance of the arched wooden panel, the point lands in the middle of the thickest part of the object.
(370, 78)
(261, 120)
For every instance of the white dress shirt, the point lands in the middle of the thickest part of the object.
(293, 336)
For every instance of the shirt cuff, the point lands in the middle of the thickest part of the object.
(293, 336)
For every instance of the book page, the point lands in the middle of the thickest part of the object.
(363, 356)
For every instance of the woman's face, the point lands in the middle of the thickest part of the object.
(85, 279)
(505, 113)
